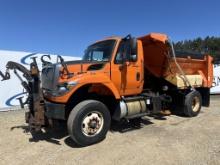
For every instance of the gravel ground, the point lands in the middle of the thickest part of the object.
(170, 140)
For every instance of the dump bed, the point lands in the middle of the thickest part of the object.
(160, 61)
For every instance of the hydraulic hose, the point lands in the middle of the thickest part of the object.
(15, 66)
(178, 66)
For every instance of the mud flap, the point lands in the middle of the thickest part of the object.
(156, 105)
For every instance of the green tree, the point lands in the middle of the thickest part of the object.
(207, 45)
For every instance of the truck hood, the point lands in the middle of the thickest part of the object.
(51, 73)
(80, 66)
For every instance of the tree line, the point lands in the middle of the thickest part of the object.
(208, 45)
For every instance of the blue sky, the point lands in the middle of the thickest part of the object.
(67, 27)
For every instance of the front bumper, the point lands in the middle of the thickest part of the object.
(54, 111)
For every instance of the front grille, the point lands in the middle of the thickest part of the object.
(50, 76)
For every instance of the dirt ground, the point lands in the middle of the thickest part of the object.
(170, 140)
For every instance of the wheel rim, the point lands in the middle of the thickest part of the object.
(195, 104)
(92, 123)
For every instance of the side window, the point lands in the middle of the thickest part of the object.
(126, 51)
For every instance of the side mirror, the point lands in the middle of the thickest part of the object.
(129, 49)
(133, 58)
(133, 45)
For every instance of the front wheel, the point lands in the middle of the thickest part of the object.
(193, 103)
(88, 122)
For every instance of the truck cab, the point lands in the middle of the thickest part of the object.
(111, 65)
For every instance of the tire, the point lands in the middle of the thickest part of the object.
(193, 103)
(89, 122)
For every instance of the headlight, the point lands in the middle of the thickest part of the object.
(64, 88)
(71, 84)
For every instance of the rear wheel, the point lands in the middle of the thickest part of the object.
(193, 102)
(88, 122)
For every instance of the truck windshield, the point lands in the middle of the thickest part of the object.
(100, 51)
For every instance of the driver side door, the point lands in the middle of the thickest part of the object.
(127, 73)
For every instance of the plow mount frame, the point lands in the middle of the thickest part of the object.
(35, 117)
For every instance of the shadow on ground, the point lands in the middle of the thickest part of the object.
(129, 125)
(54, 135)
(51, 135)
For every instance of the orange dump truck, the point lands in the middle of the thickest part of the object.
(117, 78)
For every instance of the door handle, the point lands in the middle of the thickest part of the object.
(138, 75)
